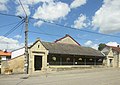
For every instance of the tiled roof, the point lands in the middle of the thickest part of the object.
(115, 48)
(2, 53)
(59, 48)
(106, 53)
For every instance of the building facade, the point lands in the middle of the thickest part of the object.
(63, 53)
(112, 56)
(4, 56)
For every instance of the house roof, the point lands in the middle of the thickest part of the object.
(106, 53)
(34, 43)
(3, 53)
(115, 48)
(60, 48)
(65, 37)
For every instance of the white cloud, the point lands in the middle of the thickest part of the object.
(107, 17)
(89, 43)
(31, 2)
(52, 11)
(3, 5)
(20, 11)
(26, 4)
(112, 44)
(17, 36)
(9, 43)
(81, 22)
(77, 3)
(39, 23)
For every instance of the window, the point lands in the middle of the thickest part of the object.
(54, 58)
(68, 59)
(80, 59)
(99, 59)
(8, 57)
(90, 59)
(38, 46)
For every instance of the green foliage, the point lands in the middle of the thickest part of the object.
(101, 46)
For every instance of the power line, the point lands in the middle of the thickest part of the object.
(58, 35)
(26, 66)
(75, 28)
(62, 35)
(44, 33)
(38, 28)
(12, 43)
(6, 43)
(2, 26)
(23, 7)
(11, 15)
(21, 33)
(14, 28)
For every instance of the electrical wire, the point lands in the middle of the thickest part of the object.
(10, 15)
(14, 28)
(2, 26)
(57, 35)
(11, 30)
(75, 28)
(38, 28)
(6, 43)
(21, 32)
(23, 7)
(44, 33)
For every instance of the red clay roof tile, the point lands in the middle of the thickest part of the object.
(2, 53)
(115, 48)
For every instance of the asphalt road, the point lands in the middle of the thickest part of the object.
(98, 76)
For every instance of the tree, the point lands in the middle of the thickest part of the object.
(101, 46)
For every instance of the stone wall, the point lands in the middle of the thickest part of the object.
(15, 65)
(37, 50)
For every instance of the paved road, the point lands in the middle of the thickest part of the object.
(75, 77)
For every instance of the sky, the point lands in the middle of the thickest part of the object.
(89, 22)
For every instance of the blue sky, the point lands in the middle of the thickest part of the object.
(99, 16)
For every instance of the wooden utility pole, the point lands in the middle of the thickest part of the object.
(26, 66)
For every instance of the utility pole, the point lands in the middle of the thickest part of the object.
(26, 66)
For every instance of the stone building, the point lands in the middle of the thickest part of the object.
(112, 56)
(4, 56)
(63, 53)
